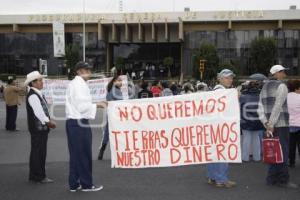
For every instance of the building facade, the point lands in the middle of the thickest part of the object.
(145, 39)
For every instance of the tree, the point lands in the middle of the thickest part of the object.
(72, 56)
(168, 62)
(230, 66)
(120, 64)
(206, 52)
(263, 53)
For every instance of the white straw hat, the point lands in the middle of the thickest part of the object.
(33, 76)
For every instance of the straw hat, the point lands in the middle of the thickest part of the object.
(33, 76)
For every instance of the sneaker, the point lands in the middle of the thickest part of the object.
(228, 184)
(288, 185)
(77, 189)
(46, 180)
(211, 181)
(93, 189)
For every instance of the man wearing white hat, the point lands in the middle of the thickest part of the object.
(39, 125)
(273, 113)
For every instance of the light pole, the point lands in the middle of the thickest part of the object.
(173, 5)
(83, 32)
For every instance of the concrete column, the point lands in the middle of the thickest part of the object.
(128, 37)
(181, 57)
(108, 57)
(114, 33)
(229, 25)
(153, 32)
(280, 24)
(100, 31)
(167, 36)
(180, 30)
(140, 32)
(16, 28)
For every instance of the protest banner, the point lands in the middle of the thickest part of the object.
(55, 90)
(176, 130)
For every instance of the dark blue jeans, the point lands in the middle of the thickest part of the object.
(79, 136)
(279, 173)
(11, 117)
(105, 138)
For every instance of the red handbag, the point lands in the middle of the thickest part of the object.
(272, 151)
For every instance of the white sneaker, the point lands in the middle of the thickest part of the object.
(77, 189)
(93, 189)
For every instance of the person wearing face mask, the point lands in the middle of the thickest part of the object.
(79, 109)
(217, 173)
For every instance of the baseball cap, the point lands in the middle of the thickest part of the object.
(277, 68)
(226, 73)
(258, 77)
(83, 65)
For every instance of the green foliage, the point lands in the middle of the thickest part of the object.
(206, 52)
(168, 61)
(119, 64)
(263, 52)
(230, 66)
(72, 57)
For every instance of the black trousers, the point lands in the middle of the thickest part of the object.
(38, 155)
(294, 142)
(11, 117)
(279, 173)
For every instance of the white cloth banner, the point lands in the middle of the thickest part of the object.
(55, 90)
(58, 39)
(176, 130)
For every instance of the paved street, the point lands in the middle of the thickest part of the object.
(177, 183)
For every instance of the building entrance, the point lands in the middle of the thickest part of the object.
(147, 60)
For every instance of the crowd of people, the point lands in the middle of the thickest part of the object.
(268, 106)
(146, 70)
(144, 89)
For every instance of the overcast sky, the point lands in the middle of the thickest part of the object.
(98, 6)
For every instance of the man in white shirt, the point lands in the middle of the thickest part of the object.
(79, 109)
(39, 125)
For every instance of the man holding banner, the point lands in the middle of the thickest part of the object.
(217, 173)
(114, 93)
(79, 109)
